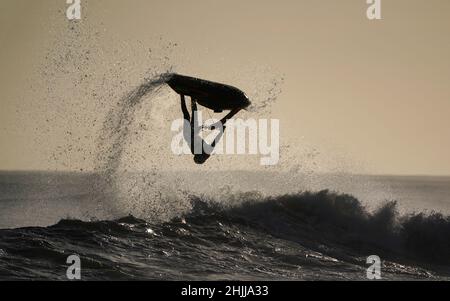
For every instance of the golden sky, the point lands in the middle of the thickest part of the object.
(377, 92)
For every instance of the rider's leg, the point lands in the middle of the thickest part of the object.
(184, 109)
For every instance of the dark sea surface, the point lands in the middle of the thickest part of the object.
(304, 232)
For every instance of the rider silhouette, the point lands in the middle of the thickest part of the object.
(191, 131)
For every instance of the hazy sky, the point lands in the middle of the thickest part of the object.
(377, 92)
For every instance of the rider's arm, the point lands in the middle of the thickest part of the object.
(223, 121)
(230, 115)
(219, 135)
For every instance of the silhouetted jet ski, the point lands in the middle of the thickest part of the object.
(215, 96)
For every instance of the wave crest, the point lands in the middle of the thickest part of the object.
(328, 219)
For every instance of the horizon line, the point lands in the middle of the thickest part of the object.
(232, 170)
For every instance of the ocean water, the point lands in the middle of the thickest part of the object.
(309, 230)
(200, 224)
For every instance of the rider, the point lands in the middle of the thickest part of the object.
(191, 131)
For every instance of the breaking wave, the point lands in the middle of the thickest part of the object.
(339, 219)
(298, 236)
